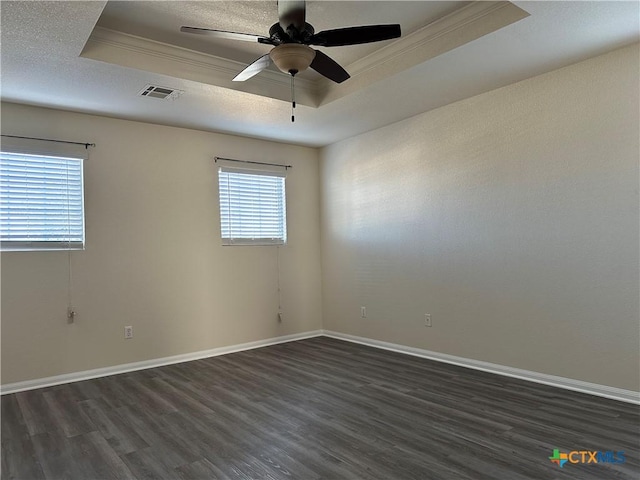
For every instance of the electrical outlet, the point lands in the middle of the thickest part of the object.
(128, 332)
(363, 312)
(427, 319)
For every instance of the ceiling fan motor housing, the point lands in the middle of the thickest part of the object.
(292, 58)
(278, 35)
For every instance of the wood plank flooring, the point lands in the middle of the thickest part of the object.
(313, 409)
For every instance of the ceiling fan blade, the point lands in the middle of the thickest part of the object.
(291, 12)
(245, 37)
(325, 65)
(253, 69)
(355, 35)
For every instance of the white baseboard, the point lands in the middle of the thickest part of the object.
(156, 362)
(614, 393)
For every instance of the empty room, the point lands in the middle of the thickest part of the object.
(376, 240)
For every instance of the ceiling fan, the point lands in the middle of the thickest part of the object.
(291, 38)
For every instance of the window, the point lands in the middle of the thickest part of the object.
(41, 202)
(252, 207)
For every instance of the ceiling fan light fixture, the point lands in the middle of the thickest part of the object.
(292, 58)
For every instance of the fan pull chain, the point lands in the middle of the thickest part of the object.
(293, 99)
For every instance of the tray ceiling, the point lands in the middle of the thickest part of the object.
(146, 35)
(96, 57)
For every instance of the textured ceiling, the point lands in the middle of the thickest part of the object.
(42, 43)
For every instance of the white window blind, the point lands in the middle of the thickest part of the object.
(41, 202)
(252, 207)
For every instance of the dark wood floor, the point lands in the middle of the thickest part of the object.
(317, 408)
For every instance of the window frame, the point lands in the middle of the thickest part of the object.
(53, 151)
(255, 240)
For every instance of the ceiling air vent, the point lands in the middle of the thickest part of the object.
(164, 93)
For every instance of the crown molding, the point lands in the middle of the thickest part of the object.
(451, 31)
(458, 28)
(131, 51)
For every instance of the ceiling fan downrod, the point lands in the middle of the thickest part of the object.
(293, 95)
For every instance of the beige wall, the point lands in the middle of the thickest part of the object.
(153, 257)
(511, 217)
